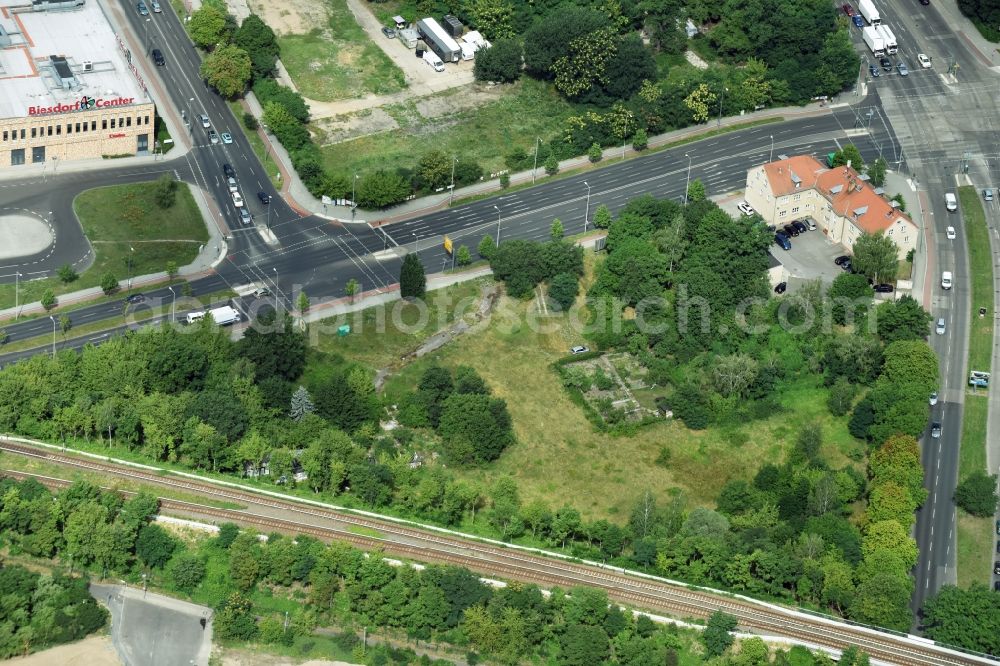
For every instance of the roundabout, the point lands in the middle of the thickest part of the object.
(24, 234)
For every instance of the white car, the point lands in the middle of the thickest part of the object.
(924, 61)
(934, 398)
(204, 121)
(950, 233)
(237, 200)
(233, 187)
(227, 138)
(940, 326)
(745, 208)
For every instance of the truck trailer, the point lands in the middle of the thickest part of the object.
(438, 40)
(871, 14)
(874, 41)
(890, 39)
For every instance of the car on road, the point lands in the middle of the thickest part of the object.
(261, 292)
(841, 259)
(902, 69)
(233, 187)
(782, 240)
(886, 64)
(228, 170)
(935, 429)
(925, 3)
(227, 138)
(988, 194)
(237, 200)
(933, 399)
(155, 4)
(264, 198)
(141, 8)
(941, 326)
(996, 568)
(883, 288)
(874, 71)
(998, 527)
(204, 121)
(135, 298)
(158, 58)
(858, 21)
(213, 136)
(946, 280)
(579, 349)
(745, 208)
(245, 216)
(848, 9)
(389, 32)
(950, 233)
(781, 287)
(924, 61)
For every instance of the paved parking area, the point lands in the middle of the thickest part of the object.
(811, 257)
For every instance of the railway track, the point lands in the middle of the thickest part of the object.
(496, 561)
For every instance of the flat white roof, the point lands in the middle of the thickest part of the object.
(96, 65)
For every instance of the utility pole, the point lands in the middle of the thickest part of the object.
(770, 157)
(721, 98)
(586, 215)
(687, 185)
(498, 225)
(53, 335)
(454, 160)
(173, 302)
(538, 140)
(17, 302)
(275, 292)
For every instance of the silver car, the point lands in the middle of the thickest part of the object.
(940, 328)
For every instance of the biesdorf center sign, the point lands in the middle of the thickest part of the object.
(85, 103)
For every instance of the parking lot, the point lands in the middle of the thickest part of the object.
(811, 257)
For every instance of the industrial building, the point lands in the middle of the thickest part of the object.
(69, 88)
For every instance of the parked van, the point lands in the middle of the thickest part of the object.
(433, 60)
(192, 317)
(950, 202)
(946, 280)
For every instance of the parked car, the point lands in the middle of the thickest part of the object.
(800, 226)
(996, 583)
(156, 6)
(141, 8)
(950, 233)
(874, 71)
(988, 194)
(841, 259)
(213, 136)
(846, 266)
(237, 200)
(998, 527)
(790, 230)
(941, 326)
(780, 288)
(389, 32)
(745, 208)
(935, 429)
(924, 61)
(228, 170)
(204, 121)
(579, 349)
(809, 222)
(227, 138)
(158, 58)
(848, 10)
(902, 69)
(933, 398)
(782, 240)
(883, 288)
(245, 216)
(264, 198)
(996, 568)
(886, 64)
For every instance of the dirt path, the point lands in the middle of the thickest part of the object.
(488, 300)
(92, 651)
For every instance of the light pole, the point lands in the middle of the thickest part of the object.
(770, 156)
(275, 291)
(498, 225)
(53, 335)
(538, 141)
(454, 161)
(586, 214)
(145, 25)
(130, 251)
(17, 287)
(354, 189)
(687, 185)
(721, 98)
(173, 302)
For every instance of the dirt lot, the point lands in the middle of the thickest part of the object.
(93, 651)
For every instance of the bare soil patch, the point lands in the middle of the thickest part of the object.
(92, 651)
(290, 17)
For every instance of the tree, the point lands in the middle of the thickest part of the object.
(487, 248)
(717, 636)
(302, 302)
(154, 546)
(48, 299)
(109, 283)
(207, 26)
(876, 172)
(976, 494)
(563, 289)
(380, 189)
(269, 90)
(602, 217)
(259, 41)
(65, 323)
(170, 268)
(66, 274)
(187, 571)
(302, 404)
(165, 191)
(696, 190)
(584, 63)
(500, 63)
(968, 618)
(234, 619)
(640, 140)
(876, 257)
(556, 231)
(493, 18)
(551, 165)
(227, 69)
(850, 153)
(904, 319)
(504, 180)
(848, 297)
(351, 289)
(434, 170)
(595, 153)
(475, 427)
(841, 397)
(412, 281)
(462, 256)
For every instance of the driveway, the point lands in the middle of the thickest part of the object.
(811, 257)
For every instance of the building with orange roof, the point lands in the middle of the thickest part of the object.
(841, 201)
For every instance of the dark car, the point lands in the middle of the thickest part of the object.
(925, 2)
(996, 568)
(264, 197)
(998, 546)
(996, 584)
(781, 239)
(998, 527)
(158, 58)
(389, 32)
(886, 64)
(858, 21)
(848, 10)
(790, 230)
(141, 7)
(135, 298)
(935, 429)
(883, 288)
(228, 169)
(841, 259)
(800, 226)
(874, 71)
(846, 266)
(780, 287)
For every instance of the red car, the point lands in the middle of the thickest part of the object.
(848, 10)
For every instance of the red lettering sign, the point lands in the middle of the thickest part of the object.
(120, 135)
(83, 104)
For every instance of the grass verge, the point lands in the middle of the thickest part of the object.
(339, 60)
(975, 535)
(259, 147)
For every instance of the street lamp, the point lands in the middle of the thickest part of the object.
(275, 291)
(687, 185)
(354, 189)
(722, 97)
(538, 140)
(586, 214)
(53, 335)
(498, 225)
(130, 251)
(770, 156)
(17, 302)
(145, 25)
(454, 161)
(173, 302)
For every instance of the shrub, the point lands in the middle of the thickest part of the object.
(504, 180)
(109, 283)
(487, 248)
(516, 159)
(67, 274)
(462, 256)
(640, 140)
(48, 299)
(594, 153)
(165, 191)
(563, 290)
(551, 165)
(977, 494)
(250, 122)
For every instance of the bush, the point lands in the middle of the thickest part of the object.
(109, 283)
(467, 172)
(551, 165)
(501, 62)
(462, 256)
(594, 153)
(381, 189)
(250, 122)
(563, 290)
(269, 90)
(67, 274)
(165, 191)
(977, 494)
(640, 140)
(516, 159)
(48, 299)
(504, 180)
(487, 248)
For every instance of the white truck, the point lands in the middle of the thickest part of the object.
(222, 316)
(468, 51)
(433, 60)
(891, 46)
(873, 38)
(871, 14)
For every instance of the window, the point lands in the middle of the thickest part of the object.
(93, 125)
(782, 213)
(113, 123)
(58, 130)
(50, 130)
(38, 154)
(34, 132)
(797, 197)
(22, 136)
(128, 122)
(69, 128)
(147, 120)
(17, 157)
(795, 209)
(5, 135)
(104, 123)
(78, 127)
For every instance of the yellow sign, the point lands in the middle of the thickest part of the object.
(447, 245)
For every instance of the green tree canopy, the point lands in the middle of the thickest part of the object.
(227, 69)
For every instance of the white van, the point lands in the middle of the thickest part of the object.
(192, 317)
(946, 280)
(433, 60)
(950, 202)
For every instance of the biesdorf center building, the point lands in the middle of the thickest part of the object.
(68, 88)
